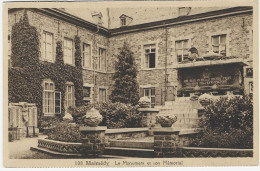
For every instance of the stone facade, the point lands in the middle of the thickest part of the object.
(238, 30)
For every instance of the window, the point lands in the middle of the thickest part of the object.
(123, 21)
(48, 47)
(182, 48)
(51, 99)
(219, 44)
(149, 56)
(86, 56)
(102, 59)
(150, 93)
(69, 96)
(102, 95)
(86, 91)
(68, 52)
(48, 97)
(251, 87)
(249, 72)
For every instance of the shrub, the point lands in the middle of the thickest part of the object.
(120, 115)
(49, 122)
(227, 123)
(115, 115)
(63, 131)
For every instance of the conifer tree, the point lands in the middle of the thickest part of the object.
(126, 87)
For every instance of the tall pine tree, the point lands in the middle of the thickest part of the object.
(126, 87)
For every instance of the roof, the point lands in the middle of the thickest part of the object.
(192, 17)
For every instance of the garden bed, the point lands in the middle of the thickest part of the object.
(59, 146)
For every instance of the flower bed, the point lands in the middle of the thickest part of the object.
(59, 146)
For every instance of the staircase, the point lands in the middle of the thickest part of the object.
(130, 149)
(185, 110)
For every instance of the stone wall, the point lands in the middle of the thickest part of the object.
(239, 43)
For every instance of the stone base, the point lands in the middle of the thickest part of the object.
(93, 140)
(166, 142)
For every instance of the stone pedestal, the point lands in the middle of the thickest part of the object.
(166, 142)
(148, 116)
(93, 140)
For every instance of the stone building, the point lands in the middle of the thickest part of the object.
(161, 47)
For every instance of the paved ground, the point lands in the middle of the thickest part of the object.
(20, 149)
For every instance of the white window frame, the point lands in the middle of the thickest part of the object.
(146, 57)
(150, 96)
(219, 43)
(66, 49)
(45, 56)
(99, 60)
(90, 66)
(226, 32)
(143, 54)
(43, 98)
(72, 93)
(182, 48)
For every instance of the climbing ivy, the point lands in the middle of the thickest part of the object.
(27, 74)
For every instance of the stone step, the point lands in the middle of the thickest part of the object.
(132, 144)
(55, 153)
(130, 152)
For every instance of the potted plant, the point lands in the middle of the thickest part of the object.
(166, 120)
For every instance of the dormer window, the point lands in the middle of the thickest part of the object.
(183, 11)
(125, 20)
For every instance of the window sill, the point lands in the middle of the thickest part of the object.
(148, 69)
(43, 60)
(49, 115)
(90, 69)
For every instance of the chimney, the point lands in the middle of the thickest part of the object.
(97, 17)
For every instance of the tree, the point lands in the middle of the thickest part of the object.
(126, 87)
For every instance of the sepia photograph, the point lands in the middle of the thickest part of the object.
(116, 84)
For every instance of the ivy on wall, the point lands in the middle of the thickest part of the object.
(27, 74)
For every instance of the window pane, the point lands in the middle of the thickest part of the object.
(178, 45)
(223, 39)
(147, 50)
(86, 91)
(152, 60)
(185, 52)
(152, 91)
(153, 50)
(179, 58)
(179, 52)
(146, 92)
(152, 99)
(215, 40)
(216, 49)
(185, 43)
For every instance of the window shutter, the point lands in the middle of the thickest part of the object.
(57, 103)
(141, 92)
(158, 96)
